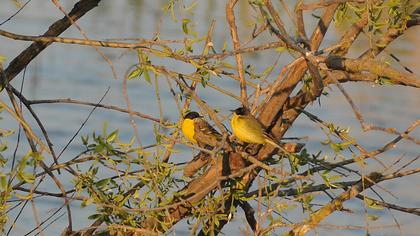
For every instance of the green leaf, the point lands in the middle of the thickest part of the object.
(372, 204)
(373, 217)
(23, 197)
(225, 44)
(185, 23)
(135, 73)
(147, 76)
(94, 216)
(3, 147)
(3, 181)
(27, 177)
(111, 137)
(99, 148)
(102, 183)
(280, 49)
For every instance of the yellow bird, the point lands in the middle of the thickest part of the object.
(199, 131)
(248, 129)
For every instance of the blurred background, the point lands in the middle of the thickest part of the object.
(79, 72)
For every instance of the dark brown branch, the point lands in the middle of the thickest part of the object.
(58, 27)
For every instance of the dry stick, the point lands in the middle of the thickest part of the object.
(64, 40)
(16, 218)
(83, 124)
(131, 120)
(48, 225)
(143, 46)
(3, 79)
(47, 219)
(26, 127)
(313, 6)
(105, 106)
(30, 138)
(355, 227)
(38, 121)
(230, 15)
(289, 13)
(26, 56)
(253, 49)
(14, 14)
(193, 78)
(36, 218)
(300, 23)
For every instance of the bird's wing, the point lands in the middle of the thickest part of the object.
(254, 125)
(205, 134)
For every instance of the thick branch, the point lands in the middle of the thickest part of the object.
(374, 67)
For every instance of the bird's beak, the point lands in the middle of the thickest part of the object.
(232, 110)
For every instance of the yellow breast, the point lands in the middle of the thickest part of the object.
(247, 130)
(188, 130)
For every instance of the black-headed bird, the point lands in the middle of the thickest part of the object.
(198, 131)
(248, 129)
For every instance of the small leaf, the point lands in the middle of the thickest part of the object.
(135, 73)
(85, 140)
(185, 25)
(94, 216)
(27, 177)
(372, 204)
(280, 49)
(112, 136)
(373, 217)
(102, 183)
(24, 197)
(147, 76)
(3, 180)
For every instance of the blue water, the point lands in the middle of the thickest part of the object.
(78, 72)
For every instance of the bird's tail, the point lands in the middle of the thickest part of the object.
(272, 142)
(275, 144)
